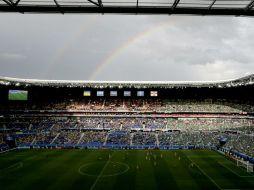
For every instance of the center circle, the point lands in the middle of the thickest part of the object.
(94, 169)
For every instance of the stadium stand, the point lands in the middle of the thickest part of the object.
(57, 114)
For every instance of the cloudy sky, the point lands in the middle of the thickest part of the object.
(124, 47)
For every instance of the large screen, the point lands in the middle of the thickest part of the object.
(18, 95)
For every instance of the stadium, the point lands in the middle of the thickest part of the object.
(62, 134)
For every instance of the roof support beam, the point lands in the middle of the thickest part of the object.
(56, 3)
(126, 9)
(13, 5)
(100, 3)
(101, 6)
(175, 4)
(97, 4)
(8, 2)
(58, 6)
(250, 5)
(17, 2)
(137, 6)
(211, 5)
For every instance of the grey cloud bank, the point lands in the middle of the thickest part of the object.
(118, 47)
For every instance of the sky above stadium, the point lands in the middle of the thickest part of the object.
(125, 47)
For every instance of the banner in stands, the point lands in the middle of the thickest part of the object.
(113, 93)
(87, 93)
(100, 93)
(127, 93)
(154, 93)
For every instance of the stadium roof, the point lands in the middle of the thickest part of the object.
(196, 7)
(244, 81)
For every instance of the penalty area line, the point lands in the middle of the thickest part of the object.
(229, 169)
(206, 174)
(234, 171)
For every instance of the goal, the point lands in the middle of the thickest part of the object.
(245, 164)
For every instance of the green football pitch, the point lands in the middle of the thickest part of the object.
(121, 170)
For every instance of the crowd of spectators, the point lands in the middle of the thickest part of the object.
(141, 105)
(185, 138)
(241, 143)
(154, 105)
(118, 138)
(126, 131)
(196, 106)
(3, 144)
(67, 137)
(146, 105)
(144, 138)
(25, 139)
(45, 137)
(93, 138)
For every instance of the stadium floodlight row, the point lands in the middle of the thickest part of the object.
(198, 7)
(243, 81)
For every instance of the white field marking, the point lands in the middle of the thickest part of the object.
(247, 176)
(99, 176)
(234, 171)
(16, 165)
(13, 166)
(205, 174)
(109, 175)
(206, 156)
(8, 150)
(229, 169)
(192, 170)
(20, 155)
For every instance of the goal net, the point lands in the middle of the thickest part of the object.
(245, 164)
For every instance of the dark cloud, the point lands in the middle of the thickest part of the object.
(129, 47)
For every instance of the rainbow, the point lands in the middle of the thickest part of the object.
(84, 27)
(108, 60)
(117, 51)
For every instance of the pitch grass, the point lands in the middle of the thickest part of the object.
(120, 169)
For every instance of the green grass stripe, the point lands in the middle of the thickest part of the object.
(128, 179)
(225, 179)
(146, 170)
